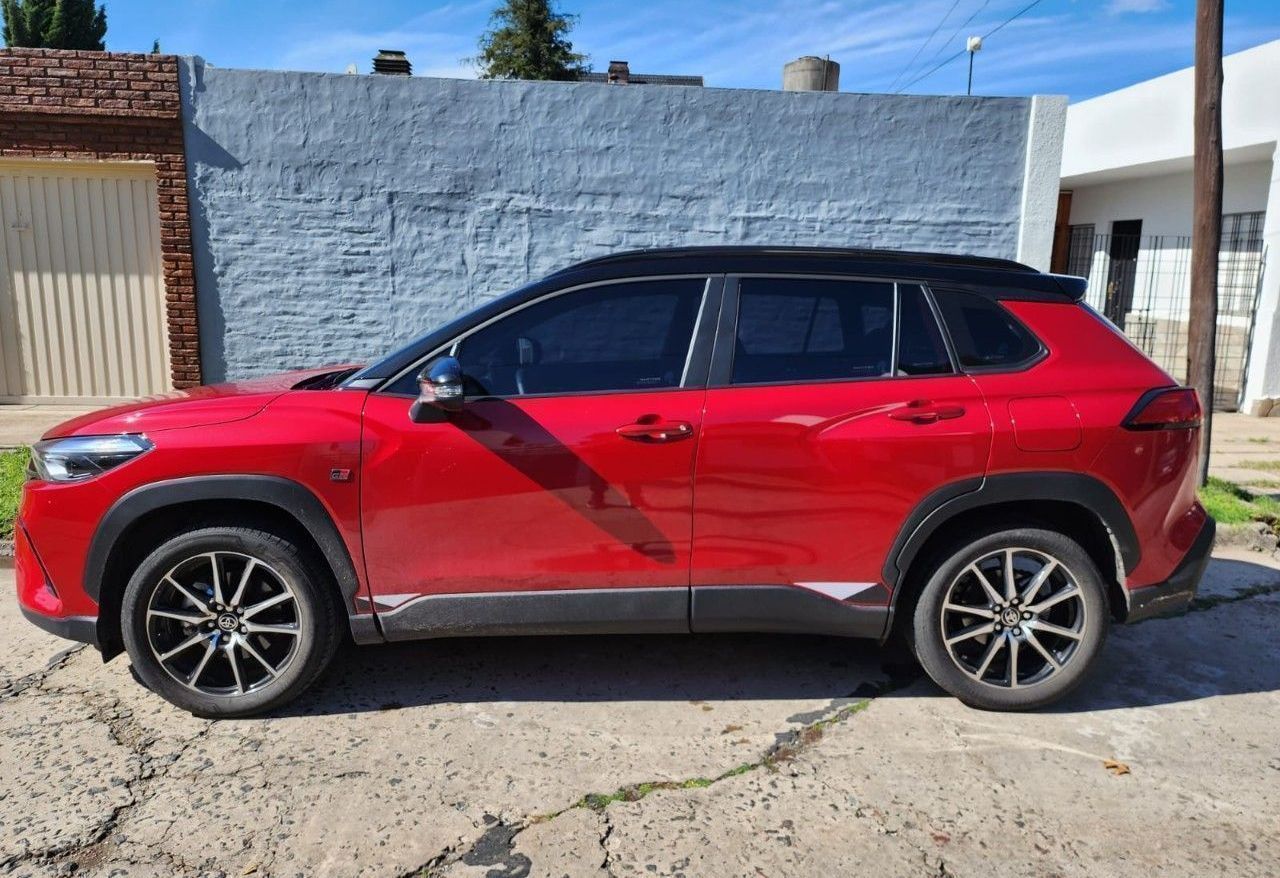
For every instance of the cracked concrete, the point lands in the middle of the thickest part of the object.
(658, 756)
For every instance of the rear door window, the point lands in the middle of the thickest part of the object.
(810, 329)
(984, 334)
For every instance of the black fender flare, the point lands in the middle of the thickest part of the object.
(289, 496)
(956, 498)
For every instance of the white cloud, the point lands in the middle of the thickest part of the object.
(1120, 7)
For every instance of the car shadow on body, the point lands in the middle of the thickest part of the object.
(1226, 645)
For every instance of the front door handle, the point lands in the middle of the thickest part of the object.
(656, 431)
(924, 411)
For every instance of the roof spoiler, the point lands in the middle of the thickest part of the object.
(1074, 287)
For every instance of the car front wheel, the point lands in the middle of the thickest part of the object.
(1012, 620)
(227, 621)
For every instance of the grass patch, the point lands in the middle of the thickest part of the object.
(1229, 503)
(13, 468)
(1271, 466)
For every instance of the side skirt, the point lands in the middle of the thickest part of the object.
(782, 608)
(702, 609)
(568, 611)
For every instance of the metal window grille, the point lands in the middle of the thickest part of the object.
(1080, 250)
(1143, 285)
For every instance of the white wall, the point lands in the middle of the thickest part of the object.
(1148, 127)
(1041, 170)
(1163, 202)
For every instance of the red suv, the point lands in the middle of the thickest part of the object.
(840, 442)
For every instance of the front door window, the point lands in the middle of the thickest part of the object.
(620, 337)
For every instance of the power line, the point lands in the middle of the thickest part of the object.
(1021, 12)
(946, 42)
(937, 27)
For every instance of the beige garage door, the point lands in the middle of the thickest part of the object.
(81, 283)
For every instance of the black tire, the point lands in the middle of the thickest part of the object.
(1009, 644)
(312, 607)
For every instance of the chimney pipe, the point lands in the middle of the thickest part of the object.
(392, 62)
(619, 73)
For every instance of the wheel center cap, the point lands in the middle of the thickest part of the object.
(1010, 616)
(228, 622)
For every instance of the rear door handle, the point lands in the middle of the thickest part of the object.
(656, 431)
(923, 411)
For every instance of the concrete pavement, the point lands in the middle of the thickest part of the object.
(731, 755)
(1246, 450)
(24, 424)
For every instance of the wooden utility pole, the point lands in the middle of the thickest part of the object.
(1206, 228)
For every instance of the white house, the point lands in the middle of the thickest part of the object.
(1124, 218)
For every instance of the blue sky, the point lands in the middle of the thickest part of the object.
(1075, 47)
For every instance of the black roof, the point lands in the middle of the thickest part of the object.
(797, 254)
(994, 278)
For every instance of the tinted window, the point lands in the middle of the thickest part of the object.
(983, 332)
(805, 330)
(630, 336)
(921, 350)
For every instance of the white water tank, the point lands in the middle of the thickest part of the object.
(811, 73)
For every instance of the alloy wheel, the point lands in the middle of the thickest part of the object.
(223, 623)
(1013, 618)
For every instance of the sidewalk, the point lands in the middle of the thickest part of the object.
(1246, 450)
(24, 424)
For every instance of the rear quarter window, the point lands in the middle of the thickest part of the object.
(985, 335)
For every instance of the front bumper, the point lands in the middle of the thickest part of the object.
(39, 600)
(1174, 595)
(81, 628)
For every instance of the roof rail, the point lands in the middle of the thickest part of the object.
(851, 253)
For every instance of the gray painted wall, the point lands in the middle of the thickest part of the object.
(338, 216)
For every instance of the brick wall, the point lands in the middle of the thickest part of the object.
(113, 106)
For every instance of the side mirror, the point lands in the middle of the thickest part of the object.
(439, 388)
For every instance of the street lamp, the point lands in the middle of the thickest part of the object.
(973, 46)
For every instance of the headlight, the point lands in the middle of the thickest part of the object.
(77, 458)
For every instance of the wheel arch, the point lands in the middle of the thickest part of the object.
(146, 516)
(1074, 504)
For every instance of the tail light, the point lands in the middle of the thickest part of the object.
(1169, 408)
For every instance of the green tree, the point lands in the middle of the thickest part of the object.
(54, 24)
(529, 39)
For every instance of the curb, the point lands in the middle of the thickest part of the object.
(1254, 536)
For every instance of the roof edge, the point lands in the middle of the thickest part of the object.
(989, 263)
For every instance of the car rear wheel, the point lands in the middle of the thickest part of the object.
(228, 621)
(1012, 620)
